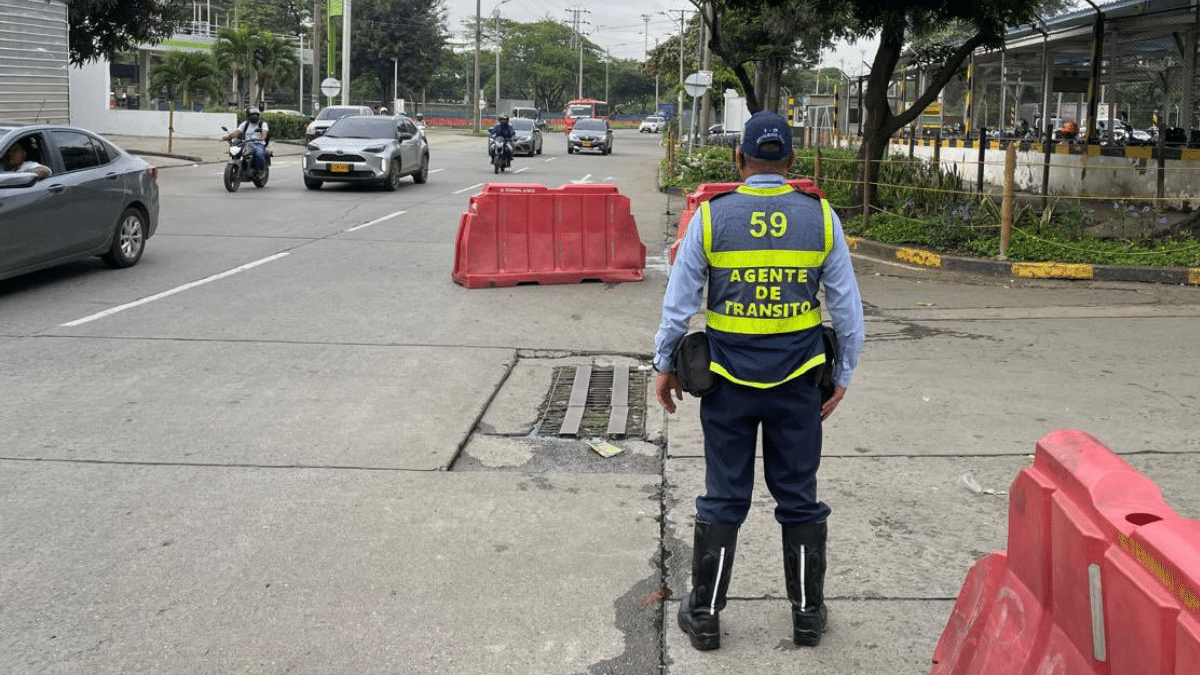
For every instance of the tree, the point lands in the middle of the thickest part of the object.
(273, 55)
(98, 29)
(185, 72)
(772, 36)
(410, 31)
(541, 61)
(985, 25)
(234, 51)
(282, 17)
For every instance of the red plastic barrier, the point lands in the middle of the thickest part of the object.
(516, 233)
(1101, 577)
(706, 191)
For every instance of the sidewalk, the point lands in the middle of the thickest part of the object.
(165, 153)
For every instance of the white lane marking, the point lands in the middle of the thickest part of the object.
(377, 220)
(477, 185)
(173, 291)
(585, 179)
(549, 159)
(435, 170)
(521, 169)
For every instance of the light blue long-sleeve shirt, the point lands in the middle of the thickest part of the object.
(689, 275)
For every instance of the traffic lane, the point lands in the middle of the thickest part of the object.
(239, 402)
(393, 289)
(123, 569)
(992, 387)
(944, 348)
(39, 303)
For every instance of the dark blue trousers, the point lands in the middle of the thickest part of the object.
(790, 418)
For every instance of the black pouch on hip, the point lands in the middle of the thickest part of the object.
(691, 362)
(825, 381)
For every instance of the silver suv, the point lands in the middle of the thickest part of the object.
(331, 114)
(378, 149)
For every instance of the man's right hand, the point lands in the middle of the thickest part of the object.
(664, 385)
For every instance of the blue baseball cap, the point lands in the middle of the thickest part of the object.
(766, 127)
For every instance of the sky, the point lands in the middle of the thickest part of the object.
(621, 26)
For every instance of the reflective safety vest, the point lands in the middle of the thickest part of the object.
(765, 253)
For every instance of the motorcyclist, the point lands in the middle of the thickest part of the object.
(420, 121)
(256, 132)
(502, 131)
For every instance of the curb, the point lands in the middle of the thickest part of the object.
(1188, 276)
(168, 155)
(1184, 276)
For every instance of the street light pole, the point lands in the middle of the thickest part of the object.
(475, 91)
(395, 83)
(346, 52)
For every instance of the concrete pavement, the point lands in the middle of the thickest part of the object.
(959, 379)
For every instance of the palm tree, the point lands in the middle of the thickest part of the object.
(234, 51)
(272, 56)
(183, 73)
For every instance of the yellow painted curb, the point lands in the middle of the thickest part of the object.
(1139, 152)
(918, 257)
(852, 243)
(1051, 270)
(1194, 276)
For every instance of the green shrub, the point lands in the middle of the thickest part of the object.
(925, 205)
(283, 127)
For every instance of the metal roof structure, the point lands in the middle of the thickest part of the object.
(1142, 42)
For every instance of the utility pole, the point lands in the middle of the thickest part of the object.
(315, 89)
(679, 104)
(705, 64)
(575, 23)
(345, 52)
(475, 91)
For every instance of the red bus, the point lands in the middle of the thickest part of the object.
(584, 107)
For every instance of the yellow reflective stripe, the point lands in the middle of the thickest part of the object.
(751, 325)
(808, 365)
(743, 259)
(827, 213)
(706, 216)
(773, 191)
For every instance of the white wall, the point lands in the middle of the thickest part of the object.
(89, 109)
(1107, 177)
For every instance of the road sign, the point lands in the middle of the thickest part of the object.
(697, 83)
(331, 87)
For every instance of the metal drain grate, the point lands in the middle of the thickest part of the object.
(588, 401)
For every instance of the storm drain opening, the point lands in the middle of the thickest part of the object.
(595, 402)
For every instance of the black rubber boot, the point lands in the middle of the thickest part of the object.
(712, 564)
(804, 569)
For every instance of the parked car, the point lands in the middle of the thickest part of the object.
(529, 137)
(97, 200)
(359, 149)
(590, 133)
(652, 125)
(330, 114)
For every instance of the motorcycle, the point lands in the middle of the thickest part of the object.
(501, 150)
(241, 165)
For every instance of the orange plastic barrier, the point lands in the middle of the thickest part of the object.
(706, 191)
(515, 233)
(1101, 577)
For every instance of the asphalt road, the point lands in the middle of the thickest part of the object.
(286, 441)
